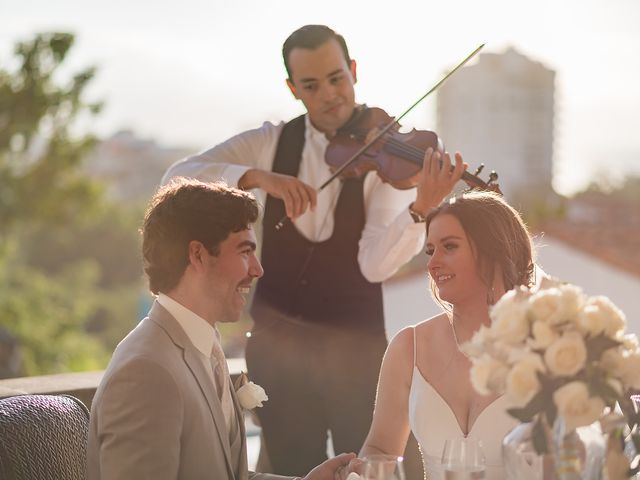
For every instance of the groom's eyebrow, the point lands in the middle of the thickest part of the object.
(247, 243)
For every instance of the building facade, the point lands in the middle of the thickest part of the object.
(500, 112)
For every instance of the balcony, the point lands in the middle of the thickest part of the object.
(83, 386)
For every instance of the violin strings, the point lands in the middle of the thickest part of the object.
(417, 155)
(413, 153)
(407, 151)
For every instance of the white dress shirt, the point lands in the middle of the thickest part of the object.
(389, 239)
(202, 335)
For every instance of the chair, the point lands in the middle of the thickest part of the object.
(43, 437)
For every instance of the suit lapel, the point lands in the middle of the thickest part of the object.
(242, 466)
(208, 390)
(194, 363)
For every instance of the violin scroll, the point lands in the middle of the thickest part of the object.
(474, 181)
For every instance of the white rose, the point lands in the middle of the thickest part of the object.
(543, 335)
(546, 306)
(567, 355)
(573, 298)
(488, 375)
(623, 364)
(509, 317)
(513, 355)
(576, 406)
(504, 352)
(630, 342)
(630, 374)
(522, 380)
(251, 395)
(600, 315)
(547, 282)
(478, 343)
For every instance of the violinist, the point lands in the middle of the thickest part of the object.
(319, 337)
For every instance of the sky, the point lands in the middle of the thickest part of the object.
(194, 72)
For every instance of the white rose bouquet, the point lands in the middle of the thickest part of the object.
(552, 350)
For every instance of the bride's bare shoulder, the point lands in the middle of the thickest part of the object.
(403, 341)
(429, 329)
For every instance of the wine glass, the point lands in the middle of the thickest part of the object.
(383, 467)
(463, 459)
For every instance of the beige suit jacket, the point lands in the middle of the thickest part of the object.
(156, 414)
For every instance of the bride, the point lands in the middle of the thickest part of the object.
(478, 248)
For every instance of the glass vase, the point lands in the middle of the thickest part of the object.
(578, 455)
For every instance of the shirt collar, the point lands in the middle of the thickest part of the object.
(312, 133)
(200, 332)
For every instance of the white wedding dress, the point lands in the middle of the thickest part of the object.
(433, 422)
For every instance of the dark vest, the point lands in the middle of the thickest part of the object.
(317, 282)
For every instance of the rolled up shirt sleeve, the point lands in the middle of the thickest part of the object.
(390, 237)
(230, 160)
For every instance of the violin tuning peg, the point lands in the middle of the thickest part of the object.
(479, 169)
(493, 176)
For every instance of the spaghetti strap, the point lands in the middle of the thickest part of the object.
(415, 351)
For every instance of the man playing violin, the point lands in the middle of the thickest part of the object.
(319, 336)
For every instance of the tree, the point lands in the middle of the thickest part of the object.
(48, 305)
(39, 158)
(48, 315)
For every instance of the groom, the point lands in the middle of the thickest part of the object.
(165, 408)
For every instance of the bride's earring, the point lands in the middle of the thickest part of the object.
(491, 296)
(496, 285)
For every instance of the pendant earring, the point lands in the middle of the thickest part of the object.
(491, 296)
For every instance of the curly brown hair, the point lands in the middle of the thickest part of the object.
(185, 210)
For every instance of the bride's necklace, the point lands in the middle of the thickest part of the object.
(455, 339)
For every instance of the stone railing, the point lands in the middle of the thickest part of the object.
(81, 385)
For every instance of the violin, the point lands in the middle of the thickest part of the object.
(396, 157)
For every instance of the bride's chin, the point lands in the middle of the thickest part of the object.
(450, 299)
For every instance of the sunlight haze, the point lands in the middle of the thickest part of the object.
(193, 73)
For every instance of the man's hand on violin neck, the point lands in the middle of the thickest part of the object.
(437, 179)
(296, 195)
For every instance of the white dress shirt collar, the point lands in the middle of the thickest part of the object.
(312, 133)
(200, 332)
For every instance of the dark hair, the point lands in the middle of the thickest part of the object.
(497, 233)
(311, 37)
(186, 210)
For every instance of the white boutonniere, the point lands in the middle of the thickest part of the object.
(249, 394)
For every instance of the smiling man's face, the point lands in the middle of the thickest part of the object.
(229, 275)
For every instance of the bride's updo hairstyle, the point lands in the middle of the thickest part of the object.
(498, 236)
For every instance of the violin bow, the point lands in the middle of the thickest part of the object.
(388, 127)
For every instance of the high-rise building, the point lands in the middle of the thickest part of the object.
(500, 112)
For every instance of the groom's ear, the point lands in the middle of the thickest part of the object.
(199, 256)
